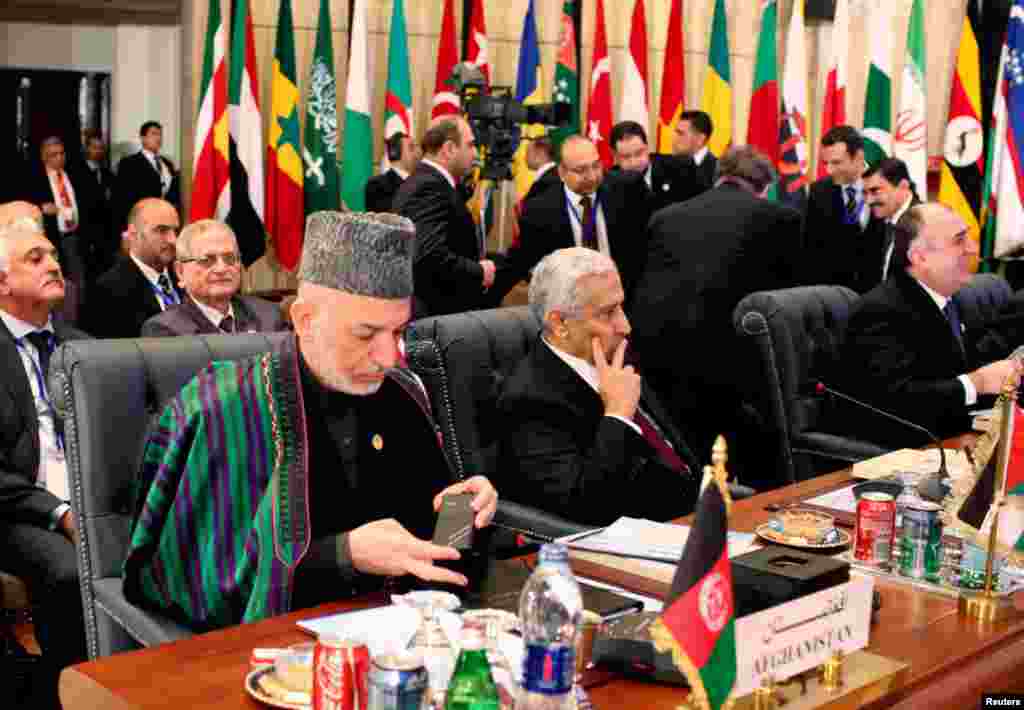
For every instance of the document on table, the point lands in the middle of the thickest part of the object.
(646, 539)
(842, 499)
(912, 462)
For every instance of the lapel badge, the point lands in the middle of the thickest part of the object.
(665, 187)
(377, 441)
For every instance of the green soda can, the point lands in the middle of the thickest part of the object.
(921, 541)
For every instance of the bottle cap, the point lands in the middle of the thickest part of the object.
(554, 553)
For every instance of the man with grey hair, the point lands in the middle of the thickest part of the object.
(906, 348)
(584, 438)
(209, 268)
(37, 528)
(322, 453)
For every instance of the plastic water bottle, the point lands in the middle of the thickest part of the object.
(472, 685)
(550, 612)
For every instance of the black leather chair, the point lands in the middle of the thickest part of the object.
(108, 392)
(791, 338)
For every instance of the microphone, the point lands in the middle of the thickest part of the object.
(929, 488)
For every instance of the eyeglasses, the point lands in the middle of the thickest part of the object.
(207, 261)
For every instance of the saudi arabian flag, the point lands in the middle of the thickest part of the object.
(358, 155)
(567, 75)
(878, 102)
(910, 144)
(320, 154)
(716, 100)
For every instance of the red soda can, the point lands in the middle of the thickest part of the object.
(340, 668)
(875, 529)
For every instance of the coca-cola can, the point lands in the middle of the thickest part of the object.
(875, 529)
(340, 669)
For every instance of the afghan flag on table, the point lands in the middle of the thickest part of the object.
(697, 624)
(763, 126)
(717, 98)
(673, 80)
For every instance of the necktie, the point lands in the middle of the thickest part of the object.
(952, 314)
(852, 213)
(165, 285)
(886, 247)
(588, 236)
(44, 342)
(657, 441)
(62, 189)
(227, 324)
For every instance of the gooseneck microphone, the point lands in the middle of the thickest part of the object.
(930, 487)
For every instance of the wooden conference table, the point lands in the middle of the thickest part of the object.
(952, 662)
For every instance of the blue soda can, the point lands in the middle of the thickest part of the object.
(921, 541)
(398, 682)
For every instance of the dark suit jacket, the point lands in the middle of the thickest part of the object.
(380, 191)
(446, 269)
(550, 178)
(21, 501)
(252, 315)
(900, 355)
(706, 170)
(99, 194)
(673, 179)
(137, 179)
(560, 453)
(121, 301)
(545, 226)
(36, 190)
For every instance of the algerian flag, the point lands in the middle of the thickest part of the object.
(357, 154)
(320, 154)
(910, 144)
(878, 102)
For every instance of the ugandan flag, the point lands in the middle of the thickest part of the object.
(961, 185)
(697, 625)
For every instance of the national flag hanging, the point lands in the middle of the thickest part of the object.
(211, 184)
(528, 91)
(910, 142)
(446, 100)
(878, 100)
(634, 103)
(993, 160)
(763, 124)
(357, 155)
(794, 127)
(321, 182)
(285, 216)
(477, 47)
(716, 100)
(697, 625)
(599, 108)
(960, 184)
(833, 110)
(398, 115)
(567, 74)
(246, 140)
(673, 79)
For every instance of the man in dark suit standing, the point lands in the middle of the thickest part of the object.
(209, 269)
(669, 178)
(703, 256)
(890, 193)
(692, 133)
(146, 174)
(98, 191)
(585, 439)
(906, 350)
(540, 158)
(38, 530)
(589, 210)
(451, 270)
(140, 285)
(403, 154)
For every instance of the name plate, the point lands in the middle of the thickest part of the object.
(802, 634)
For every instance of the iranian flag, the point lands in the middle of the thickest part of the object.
(763, 125)
(697, 623)
(673, 79)
(211, 184)
(634, 101)
(398, 95)
(357, 156)
(566, 89)
(246, 139)
(446, 101)
(599, 109)
(833, 110)
(910, 142)
(477, 47)
(716, 99)
(878, 100)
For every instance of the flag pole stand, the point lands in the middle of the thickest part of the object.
(986, 607)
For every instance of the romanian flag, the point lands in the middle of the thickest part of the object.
(960, 185)
(717, 98)
(528, 91)
(763, 125)
(697, 623)
(211, 184)
(285, 214)
(673, 79)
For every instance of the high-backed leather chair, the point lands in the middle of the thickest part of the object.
(983, 299)
(108, 392)
(791, 338)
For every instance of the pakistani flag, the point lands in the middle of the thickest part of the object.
(320, 154)
(910, 144)
(878, 102)
(697, 623)
(567, 74)
(358, 156)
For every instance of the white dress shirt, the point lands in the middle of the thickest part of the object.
(67, 217)
(441, 169)
(576, 220)
(53, 470)
(153, 277)
(161, 167)
(970, 392)
(400, 173)
(215, 316)
(892, 245)
(699, 156)
(542, 169)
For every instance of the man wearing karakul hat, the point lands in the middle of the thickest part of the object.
(306, 473)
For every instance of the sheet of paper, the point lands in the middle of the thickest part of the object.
(913, 462)
(383, 629)
(842, 499)
(648, 540)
